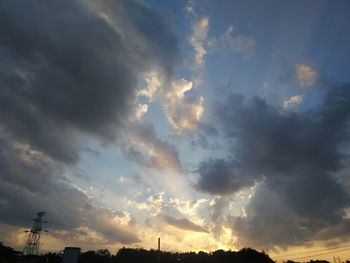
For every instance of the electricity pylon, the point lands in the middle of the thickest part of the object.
(32, 245)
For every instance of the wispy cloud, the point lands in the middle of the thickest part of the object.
(230, 42)
(199, 39)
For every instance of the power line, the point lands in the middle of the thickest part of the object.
(312, 251)
(320, 254)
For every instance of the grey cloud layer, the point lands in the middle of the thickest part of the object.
(293, 158)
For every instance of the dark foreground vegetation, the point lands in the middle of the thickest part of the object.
(131, 255)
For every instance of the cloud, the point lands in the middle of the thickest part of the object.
(153, 44)
(292, 101)
(31, 182)
(161, 155)
(141, 110)
(199, 38)
(307, 76)
(63, 81)
(61, 84)
(182, 106)
(202, 136)
(217, 176)
(279, 217)
(218, 208)
(293, 159)
(187, 207)
(182, 110)
(230, 43)
(269, 222)
(183, 223)
(190, 8)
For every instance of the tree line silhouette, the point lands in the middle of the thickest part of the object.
(138, 255)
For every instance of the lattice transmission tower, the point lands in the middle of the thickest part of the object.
(32, 245)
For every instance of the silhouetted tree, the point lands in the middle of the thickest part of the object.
(132, 255)
(51, 258)
(99, 256)
(7, 254)
(103, 252)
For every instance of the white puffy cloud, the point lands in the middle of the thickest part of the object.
(182, 109)
(292, 101)
(307, 76)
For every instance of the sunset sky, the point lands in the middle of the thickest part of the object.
(209, 124)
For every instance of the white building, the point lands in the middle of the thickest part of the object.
(71, 255)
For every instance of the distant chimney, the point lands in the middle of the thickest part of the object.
(158, 252)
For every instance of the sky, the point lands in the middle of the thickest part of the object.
(209, 124)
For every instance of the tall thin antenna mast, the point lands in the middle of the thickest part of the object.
(32, 245)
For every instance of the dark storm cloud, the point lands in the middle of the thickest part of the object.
(68, 70)
(221, 177)
(183, 223)
(293, 158)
